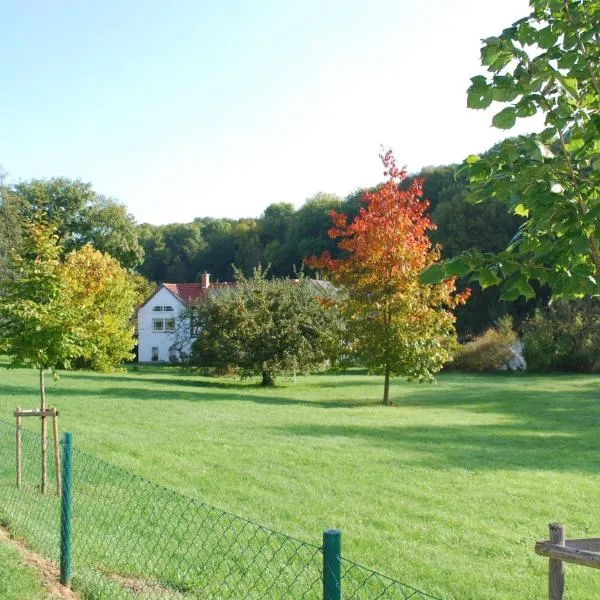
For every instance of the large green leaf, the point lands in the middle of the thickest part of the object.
(480, 94)
(506, 118)
(433, 274)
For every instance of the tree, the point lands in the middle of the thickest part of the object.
(58, 201)
(397, 325)
(266, 327)
(10, 222)
(547, 62)
(102, 297)
(109, 228)
(81, 216)
(37, 328)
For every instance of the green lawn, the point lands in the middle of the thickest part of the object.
(447, 491)
(16, 581)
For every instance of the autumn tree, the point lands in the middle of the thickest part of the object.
(547, 63)
(102, 296)
(397, 325)
(266, 327)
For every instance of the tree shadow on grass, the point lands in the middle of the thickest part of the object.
(473, 447)
(174, 379)
(144, 394)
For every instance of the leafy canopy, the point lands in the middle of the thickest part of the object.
(266, 327)
(102, 295)
(547, 62)
(37, 328)
(53, 313)
(396, 324)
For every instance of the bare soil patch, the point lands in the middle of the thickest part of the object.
(48, 572)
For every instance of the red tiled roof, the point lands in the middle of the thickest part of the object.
(189, 293)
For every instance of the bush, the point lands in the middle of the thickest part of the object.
(488, 352)
(564, 337)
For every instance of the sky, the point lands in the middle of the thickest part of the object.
(192, 108)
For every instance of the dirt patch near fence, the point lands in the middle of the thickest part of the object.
(48, 572)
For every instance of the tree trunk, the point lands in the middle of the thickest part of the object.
(44, 446)
(386, 387)
(267, 379)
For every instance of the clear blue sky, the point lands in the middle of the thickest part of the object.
(190, 108)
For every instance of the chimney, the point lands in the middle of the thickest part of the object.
(205, 280)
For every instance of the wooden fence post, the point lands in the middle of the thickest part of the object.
(556, 571)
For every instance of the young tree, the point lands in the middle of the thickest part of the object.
(547, 62)
(265, 327)
(398, 326)
(37, 329)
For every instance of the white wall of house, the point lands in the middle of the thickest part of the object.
(157, 326)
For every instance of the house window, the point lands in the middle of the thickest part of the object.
(168, 308)
(163, 325)
(154, 353)
(162, 309)
(157, 309)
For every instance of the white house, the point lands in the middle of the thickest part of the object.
(159, 321)
(163, 334)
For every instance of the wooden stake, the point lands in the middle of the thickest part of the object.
(44, 448)
(56, 451)
(556, 571)
(18, 448)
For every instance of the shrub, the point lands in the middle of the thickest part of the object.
(564, 337)
(489, 351)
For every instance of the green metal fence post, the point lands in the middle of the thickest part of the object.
(332, 564)
(66, 510)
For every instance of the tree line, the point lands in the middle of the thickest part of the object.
(280, 238)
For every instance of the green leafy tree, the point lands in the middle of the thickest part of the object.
(80, 216)
(109, 228)
(547, 62)
(266, 327)
(58, 201)
(10, 223)
(37, 329)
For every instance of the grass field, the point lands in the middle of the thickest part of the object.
(447, 491)
(16, 581)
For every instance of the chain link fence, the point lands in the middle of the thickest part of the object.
(135, 539)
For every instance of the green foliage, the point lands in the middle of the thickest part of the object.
(54, 313)
(10, 224)
(36, 328)
(489, 351)
(547, 62)
(564, 337)
(58, 201)
(265, 327)
(80, 216)
(109, 228)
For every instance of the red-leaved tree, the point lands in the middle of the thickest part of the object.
(396, 325)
